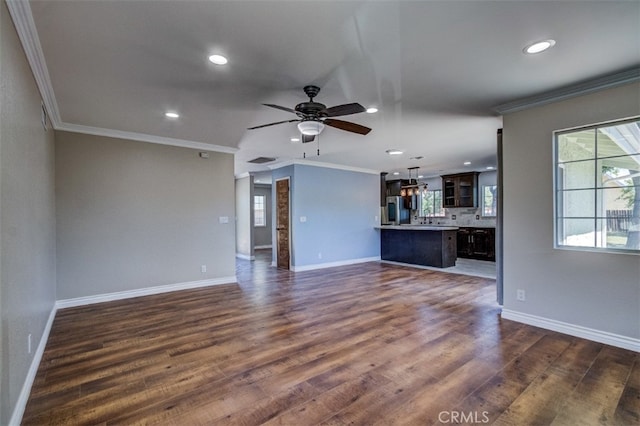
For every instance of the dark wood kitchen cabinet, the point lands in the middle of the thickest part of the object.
(460, 190)
(463, 239)
(395, 186)
(476, 243)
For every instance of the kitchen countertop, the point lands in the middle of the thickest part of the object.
(418, 227)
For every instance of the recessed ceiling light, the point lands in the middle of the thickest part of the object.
(218, 59)
(172, 114)
(295, 139)
(394, 152)
(467, 163)
(396, 173)
(490, 167)
(372, 110)
(420, 176)
(539, 46)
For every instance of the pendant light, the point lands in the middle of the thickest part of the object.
(412, 188)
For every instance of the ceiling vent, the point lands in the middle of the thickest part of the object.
(262, 160)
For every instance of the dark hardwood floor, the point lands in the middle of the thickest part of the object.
(366, 344)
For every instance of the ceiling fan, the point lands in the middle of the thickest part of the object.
(313, 116)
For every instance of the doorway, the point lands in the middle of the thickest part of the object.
(283, 252)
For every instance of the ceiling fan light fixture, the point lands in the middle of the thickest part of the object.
(310, 127)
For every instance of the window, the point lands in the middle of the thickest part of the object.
(597, 178)
(431, 204)
(489, 200)
(259, 218)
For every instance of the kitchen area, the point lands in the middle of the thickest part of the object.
(444, 222)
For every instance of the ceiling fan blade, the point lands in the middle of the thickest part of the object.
(280, 107)
(347, 125)
(308, 138)
(272, 124)
(345, 109)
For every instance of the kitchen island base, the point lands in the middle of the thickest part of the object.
(427, 246)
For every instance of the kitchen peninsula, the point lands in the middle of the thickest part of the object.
(419, 244)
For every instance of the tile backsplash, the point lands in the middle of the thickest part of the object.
(463, 217)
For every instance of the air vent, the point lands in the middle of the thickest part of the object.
(262, 160)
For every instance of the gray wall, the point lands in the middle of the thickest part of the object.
(600, 291)
(133, 215)
(27, 218)
(244, 217)
(262, 234)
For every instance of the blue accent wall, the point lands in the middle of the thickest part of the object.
(341, 210)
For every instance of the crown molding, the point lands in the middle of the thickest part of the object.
(143, 137)
(286, 163)
(20, 12)
(606, 82)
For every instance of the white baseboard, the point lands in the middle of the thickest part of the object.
(263, 247)
(334, 264)
(21, 403)
(245, 256)
(599, 336)
(108, 297)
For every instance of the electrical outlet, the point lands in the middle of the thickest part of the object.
(520, 295)
(203, 268)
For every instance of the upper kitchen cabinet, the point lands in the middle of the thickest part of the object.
(460, 190)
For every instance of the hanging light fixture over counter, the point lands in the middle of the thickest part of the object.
(414, 187)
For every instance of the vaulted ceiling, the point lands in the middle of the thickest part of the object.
(436, 71)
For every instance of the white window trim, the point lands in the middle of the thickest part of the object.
(264, 209)
(482, 202)
(444, 213)
(554, 148)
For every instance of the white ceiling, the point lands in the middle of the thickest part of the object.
(435, 69)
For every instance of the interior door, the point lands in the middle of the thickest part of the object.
(282, 224)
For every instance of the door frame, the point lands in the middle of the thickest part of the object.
(276, 252)
(499, 239)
